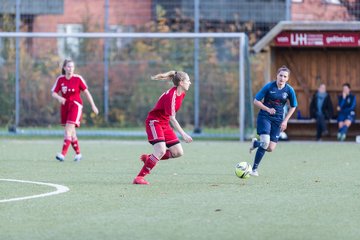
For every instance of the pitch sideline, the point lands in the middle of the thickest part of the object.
(59, 189)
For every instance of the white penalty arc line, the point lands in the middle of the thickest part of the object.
(59, 189)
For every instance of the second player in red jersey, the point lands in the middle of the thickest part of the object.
(70, 90)
(160, 133)
(70, 86)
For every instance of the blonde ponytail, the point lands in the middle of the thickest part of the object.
(164, 76)
(174, 76)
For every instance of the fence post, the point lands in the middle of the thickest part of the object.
(17, 67)
(106, 63)
(197, 128)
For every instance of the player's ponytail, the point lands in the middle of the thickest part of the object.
(174, 76)
(164, 76)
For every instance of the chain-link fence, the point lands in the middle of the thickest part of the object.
(127, 62)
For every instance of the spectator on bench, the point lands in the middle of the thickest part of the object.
(321, 109)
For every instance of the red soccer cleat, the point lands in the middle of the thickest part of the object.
(144, 157)
(140, 180)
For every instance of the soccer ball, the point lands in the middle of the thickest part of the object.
(243, 169)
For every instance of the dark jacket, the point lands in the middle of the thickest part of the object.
(327, 107)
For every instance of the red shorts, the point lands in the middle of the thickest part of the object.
(160, 132)
(71, 113)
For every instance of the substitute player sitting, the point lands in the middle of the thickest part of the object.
(346, 111)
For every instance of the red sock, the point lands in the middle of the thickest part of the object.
(75, 145)
(149, 164)
(66, 145)
(167, 155)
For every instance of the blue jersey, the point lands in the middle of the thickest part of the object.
(276, 98)
(347, 105)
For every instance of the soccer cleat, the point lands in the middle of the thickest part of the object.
(252, 147)
(338, 136)
(144, 157)
(60, 157)
(77, 157)
(140, 180)
(343, 137)
(254, 173)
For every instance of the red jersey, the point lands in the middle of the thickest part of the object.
(70, 88)
(167, 105)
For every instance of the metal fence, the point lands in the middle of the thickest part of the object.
(255, 17)
(220, 100)
(125, 63)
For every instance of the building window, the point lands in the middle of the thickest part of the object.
(118, 43)
(69, 47)
(337, 2)
(2, 60)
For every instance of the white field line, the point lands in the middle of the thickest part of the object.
(59, 189)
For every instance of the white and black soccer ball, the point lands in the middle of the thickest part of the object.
(243, 169)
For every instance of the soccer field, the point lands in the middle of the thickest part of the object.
(306, 190)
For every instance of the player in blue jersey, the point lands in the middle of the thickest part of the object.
(271, 100)
(346, 111)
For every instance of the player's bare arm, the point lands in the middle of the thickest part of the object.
(260, 105)
(91, 101)
(187, 138)
(286, 119)
(59, 98)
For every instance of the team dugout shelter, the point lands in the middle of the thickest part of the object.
(315, 52)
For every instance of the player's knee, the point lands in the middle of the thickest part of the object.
(264, 141)
(159, 153)
(67, 134)
(177, 153)
(271, 147)
(162, 153)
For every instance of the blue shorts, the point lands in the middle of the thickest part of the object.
(343, 117)
(268, 126)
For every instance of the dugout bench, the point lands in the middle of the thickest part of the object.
(305, 129)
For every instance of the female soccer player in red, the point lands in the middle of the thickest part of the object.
(160, 134)
(70, 85)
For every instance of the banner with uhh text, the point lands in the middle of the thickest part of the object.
(318, 39)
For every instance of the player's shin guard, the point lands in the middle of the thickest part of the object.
(149, 164)
(259, 155)
(75, 145)
(67, 142)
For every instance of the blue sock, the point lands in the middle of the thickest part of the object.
(257, 144)
(258, 156)
(344, 129)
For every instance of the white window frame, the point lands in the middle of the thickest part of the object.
(2, 61)
(73, 44)
(335, 2)
(119, 43)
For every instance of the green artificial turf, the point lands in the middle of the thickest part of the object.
(306, 190)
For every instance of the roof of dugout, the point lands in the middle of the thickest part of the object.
(308, 26)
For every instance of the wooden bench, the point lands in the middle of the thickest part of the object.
(305, 129)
